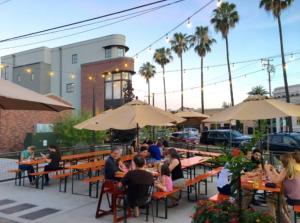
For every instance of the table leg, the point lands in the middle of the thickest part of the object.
(278, 216)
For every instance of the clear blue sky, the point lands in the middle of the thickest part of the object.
(255, 36)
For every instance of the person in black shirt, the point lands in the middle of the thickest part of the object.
(112, 164)
(137, 183)
(53, 159)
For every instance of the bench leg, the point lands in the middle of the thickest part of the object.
(156, 201)
(166, 208)
(65, 186)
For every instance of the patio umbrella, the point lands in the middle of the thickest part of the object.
(16, 97)
(95, 123)
(256, 108)
(136, 114)
(191, 117)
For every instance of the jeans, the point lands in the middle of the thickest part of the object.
(49, 168)
(226, 190)
(29, 170)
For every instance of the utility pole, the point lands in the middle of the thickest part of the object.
(270, 69)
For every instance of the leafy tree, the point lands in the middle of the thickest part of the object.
(225, 104)
(276, 7)
(258, 90)
(163, 56)
(202, 43)
(69, 136)
(225, 18)
(147, 70)
(179, 44)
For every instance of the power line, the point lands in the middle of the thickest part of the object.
(84, 31)
(224, 80)
(82, 21)
(174, 28)
(5, 1)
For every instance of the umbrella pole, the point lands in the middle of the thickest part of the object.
(137, 137)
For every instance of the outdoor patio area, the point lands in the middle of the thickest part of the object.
(51, 206)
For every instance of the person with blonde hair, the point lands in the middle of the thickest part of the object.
(289, 178)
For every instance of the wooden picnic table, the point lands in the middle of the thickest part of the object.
(121, 174)
(256, 183)
(198, 152)
(97, 165)
(190, 164)
(67, 158)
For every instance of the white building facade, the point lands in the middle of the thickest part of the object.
(279, 93)
(59, 70)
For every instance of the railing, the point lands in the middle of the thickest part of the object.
(8, 161)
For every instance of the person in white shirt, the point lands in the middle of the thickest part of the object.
(224, 180)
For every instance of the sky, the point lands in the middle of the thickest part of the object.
(255, 36)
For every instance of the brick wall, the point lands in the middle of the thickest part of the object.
(97, 69)
(14, 124)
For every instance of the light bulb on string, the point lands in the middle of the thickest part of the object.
(292, 57)
(219, 3)
(149, 49)
(232, 66)
(72, 76)
(189, 23)
(167, 38)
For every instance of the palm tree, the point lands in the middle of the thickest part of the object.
(163, 56)
(147, 70)
(224, 18)
(275, 7)
(258, 90)
(202, 43)
(179, 44)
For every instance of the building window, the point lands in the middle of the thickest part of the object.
(120, 52)
(117, 89)
(108, 90)
(107, 53)
(70, 88)
(74, 58)
(19, 78)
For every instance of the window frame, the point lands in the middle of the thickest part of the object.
(108, 53)
(74, 58)
(70, 88)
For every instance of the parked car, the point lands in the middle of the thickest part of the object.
(282, 142)
(192, 131)
(183, 137)
(223, 137)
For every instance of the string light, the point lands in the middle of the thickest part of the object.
(90, 78)
(167, 38)
(292, 57)
(2, 66)
(150, 49)
(28, 70)
(126, 65)
(51, 73)
(103, 75)
(72, 76)
(117, 70)
(189, 23)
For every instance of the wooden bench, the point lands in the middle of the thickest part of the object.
(63, 177)
(296, 211)
(219, 197)
(41, 174)
(160, 195)
(195, 182)
(18, 176)
(94, 181)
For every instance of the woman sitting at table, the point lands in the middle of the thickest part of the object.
(112, 164)
(289, 176)
(27, 155)
(176, 174)
(53, 159)
(164, 182)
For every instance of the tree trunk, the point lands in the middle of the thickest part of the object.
(165, 93)
(202, 92)
(286, 86)
(181, 68)
(229, 72)
(148, 82)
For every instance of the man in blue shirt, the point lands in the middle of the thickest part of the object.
(154, 151)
